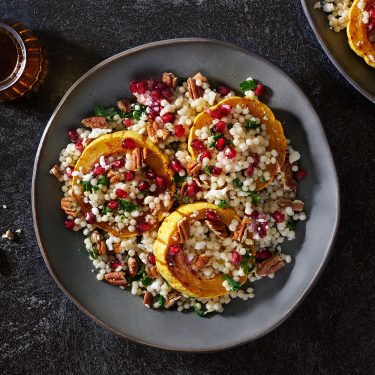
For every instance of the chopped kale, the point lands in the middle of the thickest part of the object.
(252, 124)
(174, 145)
(108, 113)
(86, 185)
(161, 301)
(222, 204)
(103, 181)
(93, 253)
(127, 205)
(186, 200)
(237, 183)
(254, 196)
(291, 224)
(106, 210)
(142, 276)
(179, 179)
(234, 285)
(247, 85)
(208, 170)
(201, 312)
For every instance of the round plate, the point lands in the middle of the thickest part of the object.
(118, 310)
(353, 68)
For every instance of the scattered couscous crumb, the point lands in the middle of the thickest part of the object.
(8, 235)
(338, 12)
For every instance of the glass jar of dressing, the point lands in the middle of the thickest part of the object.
(21, 61)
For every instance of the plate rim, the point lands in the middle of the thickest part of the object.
(330, 54)
(77, 303)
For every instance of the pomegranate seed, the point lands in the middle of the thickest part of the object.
(263, 254)
(73, 135)
(167, 93)
(121, 193)
(205, 154)
(160, 181)
(152, 114)
(236, 258)
(118, 163)
(301, 174)
(133, 87)
(90, 218)
(230, 152)
(197, 144)
(69, 171)
(225, 108)
(150, 173)
(223, 90)
(174, 249)
(151, 259)
(256, 159)
(127, 122)
(168, 117)
(113, 205)
(219, 112)
(143, 227)
(191, 190)
(156, 95)
(211, 215)
(129, 175)
(180, 130)
(141, 87)
(249, 171)
(259, 90)
(278, 216)
(220, 127)
(151, 84)
(216, 171)
(98, 171)
(220, 144)
(143, 185)
(69, 224)
(176, 165)
(254, 214)
(262, 229)
(115, 264)
(129, 143)
(79, 145)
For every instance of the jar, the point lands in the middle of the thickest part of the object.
(21, 61)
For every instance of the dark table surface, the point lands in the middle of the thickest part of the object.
(41, 331)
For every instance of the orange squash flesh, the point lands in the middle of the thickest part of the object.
(258, 109)
(111, 144)
(358, 35)
(181, 276)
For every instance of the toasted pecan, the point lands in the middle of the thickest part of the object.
(297, 205)
(193, 168)
(55, 170)
(70, 206)
(170, 79)
(183, 230)
(147, 299)
(240, 234)
(284, 201)
(219, 228)
(115, 278)
(136, 159)
(95, 122)
(287, 177)
(172, 298)
(270, 265)
(113, 176)
(202, 262)
(124, 105)
(152, 272)
(132, 266)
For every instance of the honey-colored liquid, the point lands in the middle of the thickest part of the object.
(8, 55)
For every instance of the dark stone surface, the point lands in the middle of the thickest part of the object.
(41, 331)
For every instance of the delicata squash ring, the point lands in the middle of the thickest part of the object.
(359, 32)
(123, 143)
(257, 109)
(174, 267)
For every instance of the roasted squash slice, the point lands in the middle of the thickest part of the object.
(179, 273)
(258, 109)
(111, 144)
(359, 33)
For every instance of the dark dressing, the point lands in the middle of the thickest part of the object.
(8, 55)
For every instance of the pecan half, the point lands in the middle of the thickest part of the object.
(170, 79)
(156, 130)
(298, 205)
(152, 272)
(193, 168)
(55, 170)
(114, 176)
(284, 201)
(146, 153)
(195, 91)
(269, 265)
(183, 230)
(172, 298)
(240, 234)
(287, 177)
(147, 299)
(124, 105)
(132, 266)
(95, 122)
(183, 189)
(219, 228)
(136, 159)
(115, 278)
(202, 262)
(98, 241)
(70, 206)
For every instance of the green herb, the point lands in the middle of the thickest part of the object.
(93, 253)
(106, 210)
(179, 179)
(174, 145)
(254, 196)
(247, 85)
(215, 137)
(222, 204)
(161, 301)
(245, 263)
(95, 188)
(208, 170)
(291, 224)
(142, 276)
(186, 200)
(252, 124)
(201, 312)
(103, 181)
(137, 115)
(237, 183)
(108, 113)
(86, 185)
(234, 285)
(263, 179)
(127, 205)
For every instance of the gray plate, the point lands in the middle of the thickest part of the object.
(336, 46)
(125, 314)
